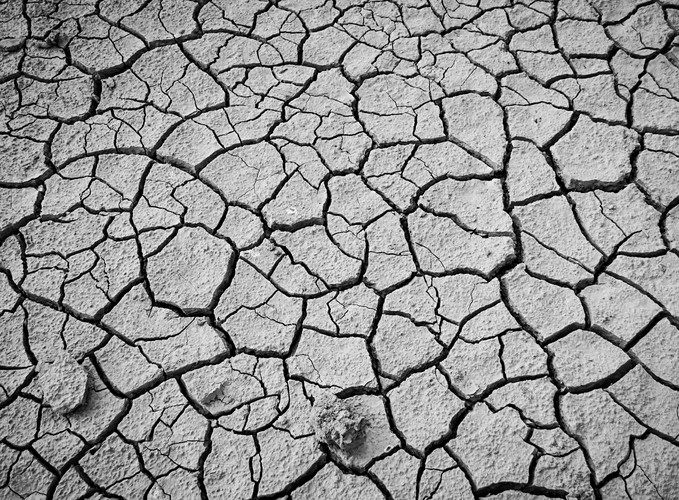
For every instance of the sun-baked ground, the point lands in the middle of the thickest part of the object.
(342, 249)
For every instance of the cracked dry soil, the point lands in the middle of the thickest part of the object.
(340, 249)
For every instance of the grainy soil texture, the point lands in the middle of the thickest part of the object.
(339, 249)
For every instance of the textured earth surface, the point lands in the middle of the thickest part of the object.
(339, 249)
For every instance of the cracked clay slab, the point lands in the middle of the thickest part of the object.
(338, 249)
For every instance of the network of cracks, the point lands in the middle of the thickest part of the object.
(340, 249)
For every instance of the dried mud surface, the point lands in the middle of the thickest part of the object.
(340, 249)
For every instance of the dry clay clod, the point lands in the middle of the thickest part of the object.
(63, 382)
(337, 424)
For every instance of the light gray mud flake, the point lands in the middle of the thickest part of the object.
(658, 350)
(652, 402)
(398, 472)
(431, 236)
(331, 481)
(389, 259)
(582, 358)
(492, 446)
(528, 173)
(349, 312)
(632, 229)
(248, 174)
(595, 95)
(603, 427)
(545, 307)
(594, 154)
(476, 122)
(534, 398)
(284, 459)
(653, 109)
(418, 299)
(647, 477)
(227, 468)
(125, 367)
(657, 276)
(187, 272)
(488, 323)
(643, 33)
(473, 368)
(579, 38)
(396, 109)
(553, 244)
(353, 200)
(442, 159)
(423, 408)
(618, 308)
(297, 202)
(400, 345)
(63, 382)
(331, 361)
(474, 204)
(462, 295)
(24, 159)
(657, 174)
(312, 247)
(442, 478)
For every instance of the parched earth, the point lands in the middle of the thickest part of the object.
(341, 249)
